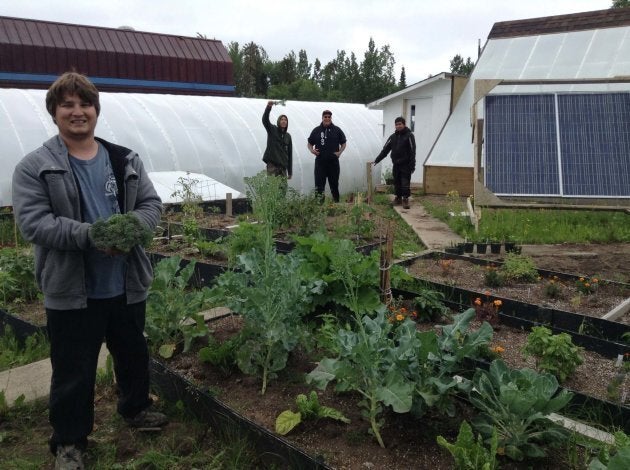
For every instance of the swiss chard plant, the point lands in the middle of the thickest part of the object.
(517, 403)
(17, 275)
(471, 454)
(309, 408)
(173, 309)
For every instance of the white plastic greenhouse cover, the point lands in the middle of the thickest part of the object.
(603, 53)
(220, 137)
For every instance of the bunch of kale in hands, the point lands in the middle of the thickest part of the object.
(120, 233)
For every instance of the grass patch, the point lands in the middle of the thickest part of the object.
(537, 226)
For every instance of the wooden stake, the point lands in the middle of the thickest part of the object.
(387, 250)
(228, 204)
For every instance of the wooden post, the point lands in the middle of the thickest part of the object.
(228, 204)
(370, 185)
(387, 250)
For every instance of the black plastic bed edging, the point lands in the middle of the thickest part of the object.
(21, 329)
(274, 451)
(585, 407)
(555, 320)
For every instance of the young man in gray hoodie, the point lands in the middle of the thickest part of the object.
(59, 190)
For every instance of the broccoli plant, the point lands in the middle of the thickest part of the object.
(120, 232)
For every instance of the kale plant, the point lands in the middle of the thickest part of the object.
(120, 232)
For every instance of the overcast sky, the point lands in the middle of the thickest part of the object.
(422, 34)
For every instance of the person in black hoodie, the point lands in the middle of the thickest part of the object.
(279, 152)
(402, 144)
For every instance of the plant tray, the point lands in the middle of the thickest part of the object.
(21, 328)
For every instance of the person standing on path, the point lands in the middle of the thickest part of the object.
(59, 191)
(327, 142)
(402, 145)
(279, 152)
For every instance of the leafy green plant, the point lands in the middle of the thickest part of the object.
(350, 279)
(120, 232)
(398, 366)
(302, 213)
(272, 297)
(470, 454)
(516, 403)
(172, 309)
(519, 267)
(553, 288)
(222, 355)
(429, 305)
(615, 457)
(555, 354)
(14, 353)
(309, 408)
(17, 275)
(367, 364)
(493, 277)
(245, 237)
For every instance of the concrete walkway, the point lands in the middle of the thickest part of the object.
(33, 380)
(434, 234)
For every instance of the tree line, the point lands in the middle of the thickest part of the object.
(343, 79)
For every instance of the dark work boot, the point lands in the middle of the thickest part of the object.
(397, 201)
(405, 203)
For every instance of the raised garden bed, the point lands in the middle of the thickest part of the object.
(464, 277)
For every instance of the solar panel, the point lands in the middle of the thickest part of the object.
(521, 145)
(595, 144)
(577, 147)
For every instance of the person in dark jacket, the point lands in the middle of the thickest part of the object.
(327, 142)
(402, 145)
(59, 191)
(279, 152)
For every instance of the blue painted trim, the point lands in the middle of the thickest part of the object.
(45, 78)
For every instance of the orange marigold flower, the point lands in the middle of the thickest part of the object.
(403, 310)
(581, 279)
(498, 349)
(400, 317)
(477, 301)
(594, 280)
(498, 303)
(586, 284)
(414, 314)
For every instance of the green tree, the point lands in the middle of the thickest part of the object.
(461, 67)
(620, 4)
(253, 80)
(402, 83)
(236, 55)
(377, 72)
(317, 71)
(303, 67)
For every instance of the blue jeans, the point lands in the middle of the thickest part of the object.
(76, 337)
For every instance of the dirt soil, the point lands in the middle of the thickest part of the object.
(604, 262)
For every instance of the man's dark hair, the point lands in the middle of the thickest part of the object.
(71, 83)
(400, 119)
